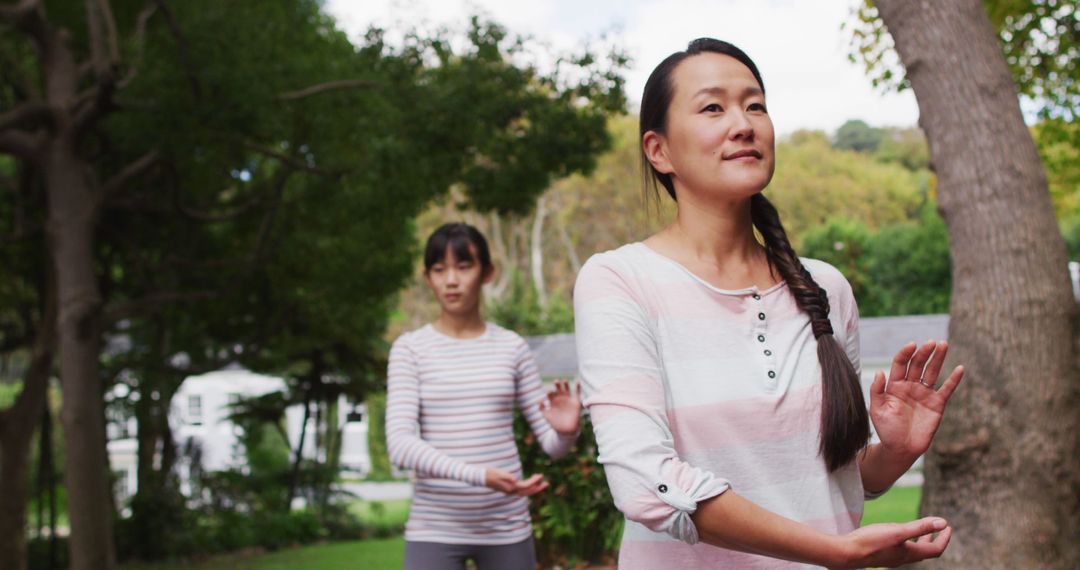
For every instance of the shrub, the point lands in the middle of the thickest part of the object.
(575, 520)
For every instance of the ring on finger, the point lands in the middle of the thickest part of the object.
(924, 383)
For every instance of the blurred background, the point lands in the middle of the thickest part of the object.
(211, 215)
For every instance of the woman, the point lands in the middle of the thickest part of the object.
(452, 389)
(721, 372)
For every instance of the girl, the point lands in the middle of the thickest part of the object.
(721, 373)
(452, 389)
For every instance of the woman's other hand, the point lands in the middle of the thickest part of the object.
(894, 544)
(563, 409)
(907, 409)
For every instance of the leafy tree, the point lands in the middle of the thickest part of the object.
(858, 136)
(1005, 464)
(238, 182)
(1040, 40)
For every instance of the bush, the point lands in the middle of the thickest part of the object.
(575, 520)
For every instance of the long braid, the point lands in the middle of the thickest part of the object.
(845, 426)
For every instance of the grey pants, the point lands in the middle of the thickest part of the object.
(438, 556)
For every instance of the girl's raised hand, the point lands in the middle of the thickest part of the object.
(563, 410)
(907, 409)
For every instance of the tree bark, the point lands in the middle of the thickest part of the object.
(1004, 468)
(536, 251)
(19, 423)
(70, 229)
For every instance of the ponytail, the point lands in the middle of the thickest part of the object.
(845, 425)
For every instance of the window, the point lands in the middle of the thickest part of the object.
(195, 412)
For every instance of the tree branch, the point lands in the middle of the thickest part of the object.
(29, 16)
(132, 171)
(25, 115)
(20, 144)
(141, 22)
(290, 160)
(185, 51)
(202, 216)
(324, 87)
(18, 13)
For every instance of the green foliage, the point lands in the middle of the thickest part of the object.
(910, 265)
(520, 311)
(845, 244)
(1040, 40)
(575, 520)
(377, 452)
(906, 147)
(858, 136)
(816, 182)
(1059, 149)
(902, 269)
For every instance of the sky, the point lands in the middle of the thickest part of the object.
(797, 44)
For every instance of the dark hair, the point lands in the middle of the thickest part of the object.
(845, 426)
(457, 236)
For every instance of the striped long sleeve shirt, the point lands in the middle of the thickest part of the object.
(449, 416)
(694, 390)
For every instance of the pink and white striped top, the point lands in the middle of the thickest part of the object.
(449, 415)
(693, 390)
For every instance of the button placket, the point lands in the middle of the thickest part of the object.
(760, 333)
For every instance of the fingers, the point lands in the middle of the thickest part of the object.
(878, 387)
(928, 546)
(920, 527)
(918, 361)
(933, 367)
(900, 362)
(950, 384)
(530, 486)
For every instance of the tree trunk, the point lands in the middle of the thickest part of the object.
(19, 423)
(536, 252)
(1004, 468)
(71, 220)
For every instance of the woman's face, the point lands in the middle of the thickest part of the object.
(456, 283)
(719, 139)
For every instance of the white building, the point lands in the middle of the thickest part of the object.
(200, 415)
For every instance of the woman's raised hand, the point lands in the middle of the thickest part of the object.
(894, 544)
(506, 482)
(563, 409)
(907, 409)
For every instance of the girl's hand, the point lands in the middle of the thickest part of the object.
(506, 482)
(894, 544)
(500, 480)
(907, 410)
(563, 410)
(531, 486)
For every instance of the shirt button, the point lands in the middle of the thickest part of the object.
(772, 374)
(761, 316)
(756, 296)
(662, 488)
(768, 352)
(761, 338)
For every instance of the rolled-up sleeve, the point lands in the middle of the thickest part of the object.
(623, 379)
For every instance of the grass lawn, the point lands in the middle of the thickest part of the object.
(900, 504)
(381, 513)
(375, 554)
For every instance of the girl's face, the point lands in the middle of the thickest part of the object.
(456, 283)
(719, 139)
